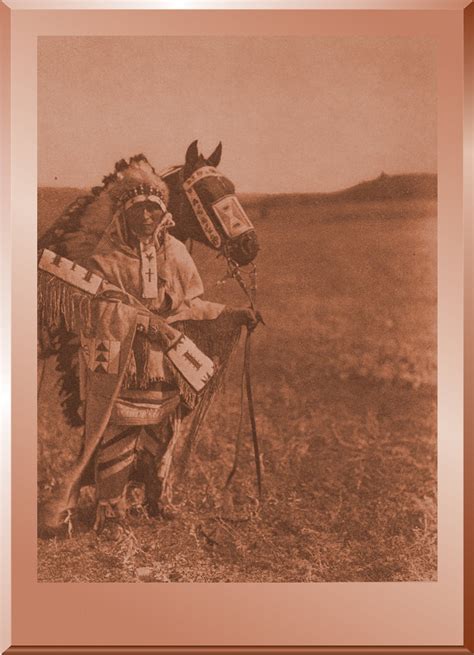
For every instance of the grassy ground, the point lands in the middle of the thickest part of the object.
(345, 391)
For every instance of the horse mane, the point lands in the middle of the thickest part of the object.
(170, 171)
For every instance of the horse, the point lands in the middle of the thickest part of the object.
(205, 209)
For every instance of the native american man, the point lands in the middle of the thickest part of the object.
(133, 398)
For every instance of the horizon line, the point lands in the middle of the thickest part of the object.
(281, 193)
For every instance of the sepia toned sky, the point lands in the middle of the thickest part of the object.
(294, 114)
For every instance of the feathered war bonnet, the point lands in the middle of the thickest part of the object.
(131, 182)
(135, 182)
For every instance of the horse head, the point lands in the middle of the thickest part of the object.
(206, 208)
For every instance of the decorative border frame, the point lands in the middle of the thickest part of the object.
(5, 370)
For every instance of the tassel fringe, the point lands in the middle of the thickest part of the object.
(60, 302)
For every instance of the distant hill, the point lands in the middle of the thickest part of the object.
(393, 187)
(384, 187)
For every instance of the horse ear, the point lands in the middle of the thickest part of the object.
(215, 158)
(192, 154)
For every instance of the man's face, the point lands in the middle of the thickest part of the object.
(143, 218)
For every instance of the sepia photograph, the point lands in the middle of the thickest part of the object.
(237, 309)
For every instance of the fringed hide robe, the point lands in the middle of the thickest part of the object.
(125, 379)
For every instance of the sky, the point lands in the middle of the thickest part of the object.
(294, 114)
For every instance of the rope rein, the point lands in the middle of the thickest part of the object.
(250, 291)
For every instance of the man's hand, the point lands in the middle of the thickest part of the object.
(245, 316)
(160, 332)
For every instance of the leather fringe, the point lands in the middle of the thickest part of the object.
(59, 302)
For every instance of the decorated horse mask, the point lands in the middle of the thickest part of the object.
(216, 207)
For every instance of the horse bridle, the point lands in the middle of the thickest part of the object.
(198, 208)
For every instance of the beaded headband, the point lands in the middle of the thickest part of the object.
(142, 193)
